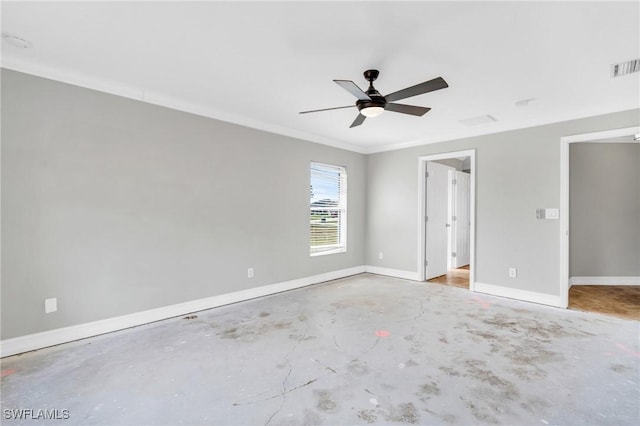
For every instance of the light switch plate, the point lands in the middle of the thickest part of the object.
(548, 213)
(553, 213)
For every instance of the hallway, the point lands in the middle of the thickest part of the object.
(455, 277)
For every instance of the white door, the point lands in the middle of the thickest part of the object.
(461, 219)
(437, 219)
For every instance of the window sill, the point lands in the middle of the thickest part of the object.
(331, 251)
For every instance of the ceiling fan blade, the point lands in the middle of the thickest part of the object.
(358, 121)
(418, 89)
(352, 88)
(325, 109)
(407, 109)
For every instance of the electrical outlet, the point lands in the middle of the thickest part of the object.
(380, 255)
(513, 272)
(50, 305)
(250, 273)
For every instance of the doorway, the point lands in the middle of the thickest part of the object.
(446, 236)
(592, 289)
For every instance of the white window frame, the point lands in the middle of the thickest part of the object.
(341, 246)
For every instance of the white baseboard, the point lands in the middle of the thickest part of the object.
(604, 281)
(524, 295)
(44, 339)
(396, 273)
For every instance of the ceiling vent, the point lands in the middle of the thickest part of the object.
(476, 121)
(624, 68)
(525, 102)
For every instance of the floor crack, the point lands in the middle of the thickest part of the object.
(279, 395)
(335, 342)
(420, 314)
(325, 366)
(282, 395)
(285, 391)
(421, 311)
(375, 343)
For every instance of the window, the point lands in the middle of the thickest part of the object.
(328, 209)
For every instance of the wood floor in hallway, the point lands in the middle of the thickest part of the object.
(619, 301)
(458, 277)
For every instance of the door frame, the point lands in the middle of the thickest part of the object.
(422, 168)
(595, 137)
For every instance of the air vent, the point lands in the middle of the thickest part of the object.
(625, 68)
(525, 102)
(476, 121)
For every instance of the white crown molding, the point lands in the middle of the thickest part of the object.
(568, 116)
(607, 136)
(58, 336)
(119, 89)
(159, 99)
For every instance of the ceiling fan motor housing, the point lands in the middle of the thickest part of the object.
(377, 100)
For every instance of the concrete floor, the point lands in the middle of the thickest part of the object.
(364, 349)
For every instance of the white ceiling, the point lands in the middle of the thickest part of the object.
(260, 63)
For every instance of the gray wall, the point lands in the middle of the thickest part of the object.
(116, 206)
(604, 201)
(516, 173)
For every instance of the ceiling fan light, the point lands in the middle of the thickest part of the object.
(370, 112)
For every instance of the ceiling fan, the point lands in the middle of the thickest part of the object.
(371, 103)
